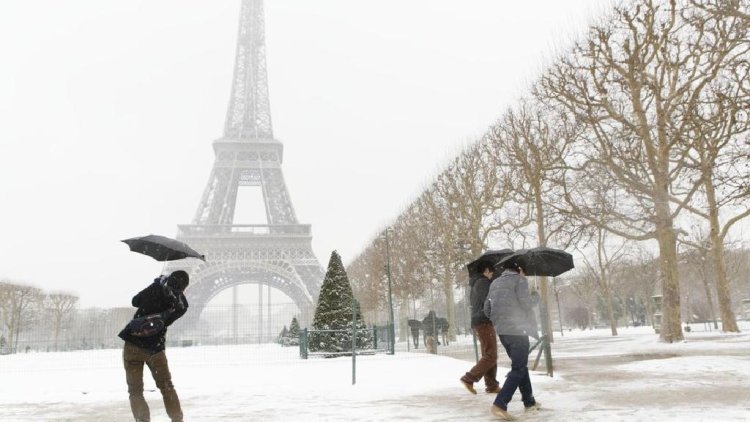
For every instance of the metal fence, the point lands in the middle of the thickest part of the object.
(235, 334)
(379, 340)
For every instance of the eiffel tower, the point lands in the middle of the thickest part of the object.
(277, 254)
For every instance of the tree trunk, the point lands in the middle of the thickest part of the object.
(451, 307)
(707, 289)
(559, 311)
(611, 310)
(57, 333)
(671, 327)
(401, 323)
(11, 331)
(543, 284)
(649, 312)
(18, 330)
(728, 320)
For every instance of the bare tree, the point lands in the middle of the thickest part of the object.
(463, 205)
(441, 247)
(530, 145)
(584, 288)
(61, 306)
(718, 132)
(725, 8)
(631, 84)
(367, 276)
(15, 301)
(474, 192)
(601, 269)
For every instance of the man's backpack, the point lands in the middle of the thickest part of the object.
(146, 326)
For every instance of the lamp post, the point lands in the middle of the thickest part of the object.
(390, 295)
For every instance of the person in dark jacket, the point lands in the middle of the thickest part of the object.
(414, 326)
(443, 327)
(510, 306)
(163, 302)
(487, 365)
(430, 329)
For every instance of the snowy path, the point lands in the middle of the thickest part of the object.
(632, 377)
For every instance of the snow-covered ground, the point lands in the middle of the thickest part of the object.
(598, 377)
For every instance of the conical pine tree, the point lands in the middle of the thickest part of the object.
(334, 312)
(293, 332)
(283, 335)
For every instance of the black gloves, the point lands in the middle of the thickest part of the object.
(172, 296)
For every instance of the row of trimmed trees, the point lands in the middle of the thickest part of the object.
(637, 138)
(24, 307)
(40, 317)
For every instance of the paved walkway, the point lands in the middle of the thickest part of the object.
(597, 378)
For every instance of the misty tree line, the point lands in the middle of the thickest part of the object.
(34, 320)
(633, 143)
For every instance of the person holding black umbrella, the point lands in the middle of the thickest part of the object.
(414, 326)
(159, 305)
(429, 326)
(510, 307)
(486, 366)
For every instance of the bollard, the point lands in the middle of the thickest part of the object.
(303, 343)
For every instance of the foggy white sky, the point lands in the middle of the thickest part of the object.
(108, 110)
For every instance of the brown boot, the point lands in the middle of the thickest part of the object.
(468, 384)
(501, 413)
(492, 390)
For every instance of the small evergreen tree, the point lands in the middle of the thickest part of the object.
(282, 335)
(293, 334)
(334, 312)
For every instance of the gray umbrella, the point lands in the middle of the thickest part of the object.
(541, 261)
(162, 248)
(492, 256)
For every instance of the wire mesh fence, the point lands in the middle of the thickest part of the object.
(368, 341)
(226, 334)
(221, 335)
(239, 334)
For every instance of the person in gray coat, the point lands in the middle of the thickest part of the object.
(510, 307)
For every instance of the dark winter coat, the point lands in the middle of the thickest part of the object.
(430, 324)
(442, 325)
(414, 326)
(156, 298)
(480, 286)
(510, 306)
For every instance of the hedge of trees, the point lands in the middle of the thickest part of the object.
(632, 148)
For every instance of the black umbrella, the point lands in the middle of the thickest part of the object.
(162, 248)
(492, 256)
(542, 261)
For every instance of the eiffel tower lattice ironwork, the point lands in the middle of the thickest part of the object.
(277, 254)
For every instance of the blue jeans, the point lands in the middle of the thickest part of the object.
(517, 348)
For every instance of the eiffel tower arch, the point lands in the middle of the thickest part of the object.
(277, 254)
